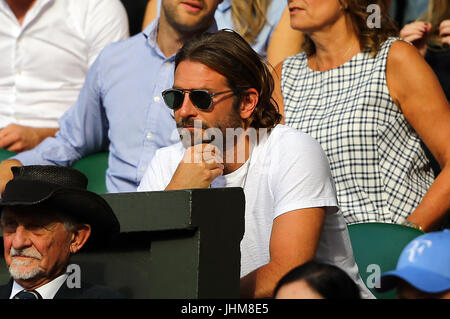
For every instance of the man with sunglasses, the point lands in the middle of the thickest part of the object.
(228, 122)
(120, 107)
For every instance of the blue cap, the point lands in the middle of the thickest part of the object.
(424, 263)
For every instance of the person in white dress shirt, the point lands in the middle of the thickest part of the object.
(46, 48)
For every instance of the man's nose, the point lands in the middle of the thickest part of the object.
(21, 238)
(187, 109)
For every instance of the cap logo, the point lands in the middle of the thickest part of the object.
(417, 248)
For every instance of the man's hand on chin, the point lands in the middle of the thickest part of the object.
(200, 165)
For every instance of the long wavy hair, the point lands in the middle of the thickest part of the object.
(370, 39)
(230, 55)
(249, 17)
(438, 11)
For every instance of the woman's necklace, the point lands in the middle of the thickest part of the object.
(344, 58)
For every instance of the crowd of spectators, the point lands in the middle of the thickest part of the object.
(357, 118)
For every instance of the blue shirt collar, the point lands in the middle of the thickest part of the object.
(151, 32)
(225, 5)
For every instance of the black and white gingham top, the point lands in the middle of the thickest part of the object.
(379, 167)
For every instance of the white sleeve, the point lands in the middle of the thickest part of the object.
(153, 179)
(106, 22)
(300, 175)
(161, 169)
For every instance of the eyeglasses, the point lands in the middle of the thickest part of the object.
(201, 99)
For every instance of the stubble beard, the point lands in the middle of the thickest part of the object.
(205, 134)
(199, 24)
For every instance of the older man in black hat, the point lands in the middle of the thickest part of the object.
(46, 216)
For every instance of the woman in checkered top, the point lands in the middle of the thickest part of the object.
(369, 99)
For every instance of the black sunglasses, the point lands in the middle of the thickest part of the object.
(201, 99)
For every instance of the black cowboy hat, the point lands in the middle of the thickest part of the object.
(61, 189)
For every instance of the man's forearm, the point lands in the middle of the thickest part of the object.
(19, 138)
(44, 132)
(294, 239)
(261, 282)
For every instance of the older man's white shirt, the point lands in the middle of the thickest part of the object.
(47, 291)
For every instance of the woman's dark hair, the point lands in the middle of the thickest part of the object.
(329, 281)
(229, 54)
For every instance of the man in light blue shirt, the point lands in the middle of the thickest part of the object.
(224, 20)
(120, 107)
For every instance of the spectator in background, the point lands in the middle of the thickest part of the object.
(284, 41)
(430, 34)
(423, 269)
(47, 215)
(256, 21)
(406, 11)
(264, 24)
(151, 12)
(120, 106)
(361, 94)
(136, 12)
(46, 48)
(314, 280)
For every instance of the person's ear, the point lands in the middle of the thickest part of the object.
(249, 100)
(79, 237)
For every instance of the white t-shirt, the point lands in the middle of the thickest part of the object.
(44, 61)
(286, 171)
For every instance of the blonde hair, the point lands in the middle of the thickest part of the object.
(370, 39)
(249, 17)
(438, 11)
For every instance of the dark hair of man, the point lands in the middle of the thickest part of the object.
(328, 280)
(227, 53)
